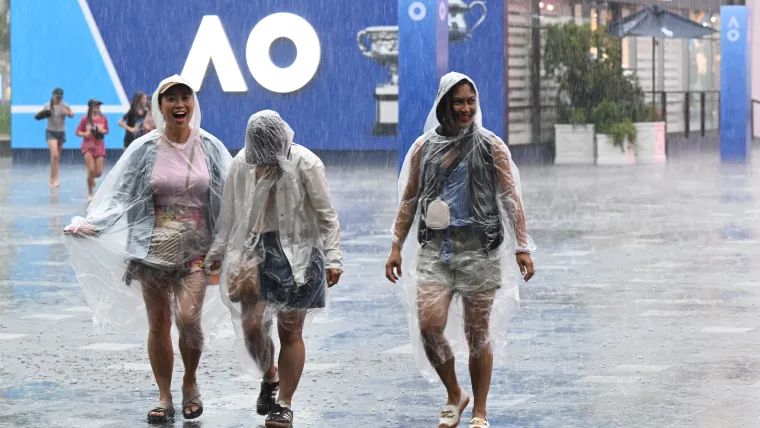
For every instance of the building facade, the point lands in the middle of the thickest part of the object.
(685, 69)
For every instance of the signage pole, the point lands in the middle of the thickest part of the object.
(735, 86)
(423, 59)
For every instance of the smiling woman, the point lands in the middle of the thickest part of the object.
(139, 254)
(176, 102)
(460, 200)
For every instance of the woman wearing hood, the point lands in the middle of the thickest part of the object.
(139, 253)
(278, 237)
(459, 194)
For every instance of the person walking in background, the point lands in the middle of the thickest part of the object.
(93, 129)
(55, 133)
(148, 124)
(133, 120)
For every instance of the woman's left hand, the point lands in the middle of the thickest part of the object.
(333, 276)
(213, 278)
(526, 265)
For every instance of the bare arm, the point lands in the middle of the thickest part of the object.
(82, 130)
(509, 194)
(124, 125)
(408, 205)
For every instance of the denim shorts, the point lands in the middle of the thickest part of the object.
(276, 276)
(55, 135)
(469, 268)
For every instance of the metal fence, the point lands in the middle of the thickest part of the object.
(686, 114)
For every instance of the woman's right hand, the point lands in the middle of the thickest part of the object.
(393, 265)
(80, 230)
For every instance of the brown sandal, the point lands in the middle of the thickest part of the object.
(191, 398)
(168, 414)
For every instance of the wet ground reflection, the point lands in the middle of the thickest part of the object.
(644, 312)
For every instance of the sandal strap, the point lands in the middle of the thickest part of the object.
(167, 411)
(195, 401)
(191, 397)
(479, 421)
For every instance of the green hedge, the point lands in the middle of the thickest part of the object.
(5, 119)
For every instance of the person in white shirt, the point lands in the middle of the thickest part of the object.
(278, 242)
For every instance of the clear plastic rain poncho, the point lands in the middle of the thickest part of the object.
(277, 235)
(462, 221)
(146, 232)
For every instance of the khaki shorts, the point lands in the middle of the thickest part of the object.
(470, 269)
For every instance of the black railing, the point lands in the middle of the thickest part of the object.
(699, 111)
(686, 113)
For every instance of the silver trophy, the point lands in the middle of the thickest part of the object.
(458, 10)
(381, 44)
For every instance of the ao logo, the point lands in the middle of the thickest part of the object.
(733, 30)
(212, 45)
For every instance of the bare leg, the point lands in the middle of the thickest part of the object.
(160, 350)
(477, 310)
(55, 156)
(99, 166)
(91, 169)
(190, 294)
(433, 311)
(292, 352)
(258, 339)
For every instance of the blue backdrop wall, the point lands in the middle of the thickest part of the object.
(95, 49)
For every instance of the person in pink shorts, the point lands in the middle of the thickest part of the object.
(93, 128)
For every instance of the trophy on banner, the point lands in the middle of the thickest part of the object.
(458, 11)
(381, 44)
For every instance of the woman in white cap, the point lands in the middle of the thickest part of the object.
(55, 134)
(459, 194)
(93, 129)
(139, 253)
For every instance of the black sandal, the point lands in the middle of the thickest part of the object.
(267, 396)
(193, 400)
(279, 417)
(168, 415)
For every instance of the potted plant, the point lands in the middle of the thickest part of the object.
(650, 136)
(617, 135)
(574, 139)
(567, 60)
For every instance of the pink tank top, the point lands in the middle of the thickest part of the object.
(170, 173)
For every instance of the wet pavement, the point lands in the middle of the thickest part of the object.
(644, 312)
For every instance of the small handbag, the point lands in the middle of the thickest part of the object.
(43, 114)
(98, 135)
(171, 246)
(438, 215)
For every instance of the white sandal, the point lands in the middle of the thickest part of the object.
(451, 414)
(479, 423)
